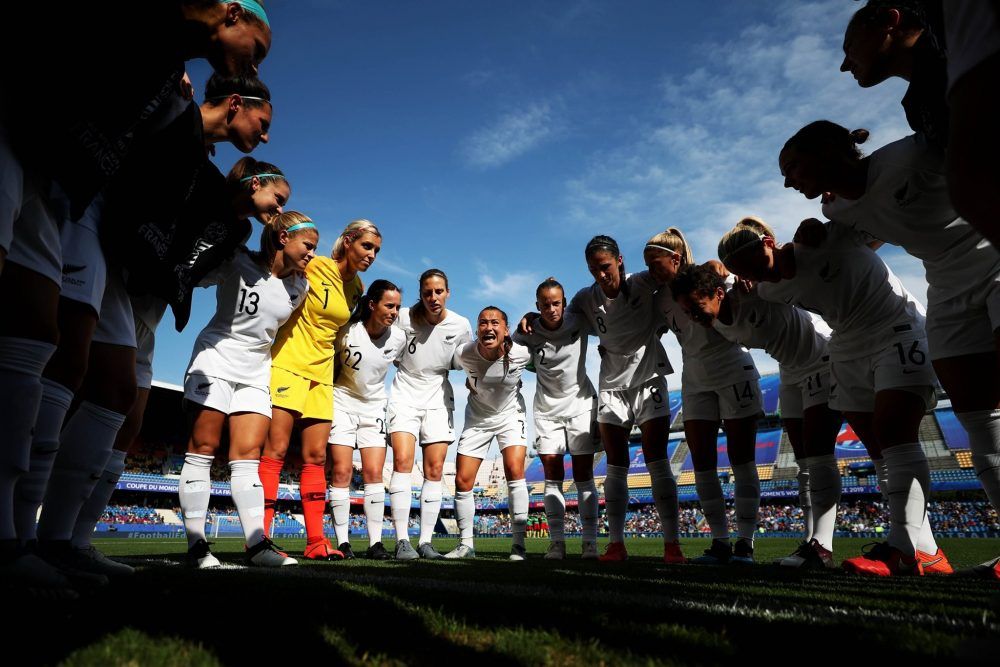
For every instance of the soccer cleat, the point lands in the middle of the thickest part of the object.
(780, 560)
(21, 570)
(461, 551)
(988, 570)
(518, 552)
(672, 554)
(428, 552)
(102, 564)
(267, 554)
(322, 550)
(882, 560)
(346, 550)
(404, 551)
(557, 551)
(742, 552)
(719, 553)
(810, 555)
(199, 556)
(377, 552)
(589, 551)
(614, 553)
(936, 563)
(79, 570)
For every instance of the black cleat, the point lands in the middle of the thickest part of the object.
(377, 552)
(346, 549)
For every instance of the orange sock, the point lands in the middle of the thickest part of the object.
(312, 488)
(270, 472)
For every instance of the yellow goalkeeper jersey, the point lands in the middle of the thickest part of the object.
(304, 345)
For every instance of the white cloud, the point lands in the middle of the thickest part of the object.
(512, 135)
(514, 290)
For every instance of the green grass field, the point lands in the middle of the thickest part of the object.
(491, 611)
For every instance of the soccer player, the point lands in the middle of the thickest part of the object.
(719, 382)
(365, 349)
(493, 364)
(565, 413)
(257, 189)
(798, 342)
(302, 381)
(421, 405)
(879, 370)
(228, 380)
(899, 195)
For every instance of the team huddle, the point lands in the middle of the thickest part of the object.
(94, 253)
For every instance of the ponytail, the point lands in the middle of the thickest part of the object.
(292, 222)
(748, 232)
(240, 177)
(825, 139)
(672, 240)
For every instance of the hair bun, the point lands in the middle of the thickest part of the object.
(859, 136)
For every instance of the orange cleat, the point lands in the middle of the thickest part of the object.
(882, 560)
(936, 563)
(322, 550)
(615, 553)
(672, 554)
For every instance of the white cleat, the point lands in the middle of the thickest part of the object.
(104, 565)
(518, 552)
(461, 551)
(589, 551)
(200, 556)
(266, 554)
(557, 551)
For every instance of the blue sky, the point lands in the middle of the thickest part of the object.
(492, 140)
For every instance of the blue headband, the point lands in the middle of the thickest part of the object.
(251, 6)
(250, 178)
(301, 225)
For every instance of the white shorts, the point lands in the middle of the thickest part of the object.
(357, 431)
(427, 426)
(84, 270)
(965, 324)
(575, 435)
(902, 365)
(35, 243)
(115, 323)
(734, 401)
(147, 311)
(972, 29)
(11, 191)
(509, 430)
(795, 399)
(227, 396)
(638, 405)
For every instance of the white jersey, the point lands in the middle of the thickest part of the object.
(710, 361)
(907, 204)
(794, 338)
(560, 361)
(250, 306)
(422, 378)
(849, 286)
(632, 353)
(494, 392)
(363, 364)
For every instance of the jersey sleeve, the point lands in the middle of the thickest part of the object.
(578, 304)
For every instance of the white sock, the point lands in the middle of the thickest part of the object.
(665, 496)
(909, 481)
(746, 499)
(374, 511)
(713, 505)
(555, 510)
(983, 427)
(30, 489)
(85, 445)
(586, 493)
(399, 503)
(465, 513)
(22, 361)
(824, 494)
(430, 508)
(93, 509)
(340, 508)
(882, 473)
(194, 490)
(517, 498)
(805, 501)
(248, 496)
(616, 501)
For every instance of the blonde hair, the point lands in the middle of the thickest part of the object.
(673, 240)
(748, 231)
(352, 232)
(270, 237)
